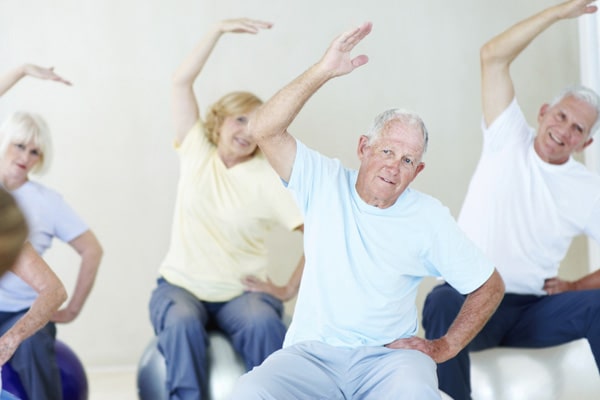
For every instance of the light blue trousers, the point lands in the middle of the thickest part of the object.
(314, 370)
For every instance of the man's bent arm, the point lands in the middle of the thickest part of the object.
(474, 314)
(269, 125)
(497, 89)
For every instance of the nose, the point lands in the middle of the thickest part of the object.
(25, 157)
(394, 166)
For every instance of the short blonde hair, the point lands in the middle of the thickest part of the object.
(24, 127)
(13, 231)
(234, 103)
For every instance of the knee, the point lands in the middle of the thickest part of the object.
(263, 316)
(184, 328)
(182, 316)
(266, 324)
(247, 388)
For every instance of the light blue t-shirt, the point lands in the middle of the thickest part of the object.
(364, 264)
(48, 216)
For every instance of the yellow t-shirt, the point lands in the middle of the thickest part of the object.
(222, 219)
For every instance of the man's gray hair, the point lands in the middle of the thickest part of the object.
(584, 94)
(406, 117)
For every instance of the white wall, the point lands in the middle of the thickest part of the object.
(112, 129)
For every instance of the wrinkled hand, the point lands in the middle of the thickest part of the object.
(438, 349)
(337, 59)
(254, 284)
(44, 73)
(243, 25)
(556, 285)
(576, 8)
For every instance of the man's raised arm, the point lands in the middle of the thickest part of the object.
(497, 88)
(269, 125)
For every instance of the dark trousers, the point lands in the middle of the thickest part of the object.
(252, 321)
(35, 360)
(520, 321)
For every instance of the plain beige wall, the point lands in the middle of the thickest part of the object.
(112, 130)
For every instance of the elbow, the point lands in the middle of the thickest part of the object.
(98, 252)
(60, 293)
(486, 53)
(498, 284)
(91, 252)
(255, 128)
(176, 78)
(491, 56)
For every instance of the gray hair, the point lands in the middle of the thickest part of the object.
(24, 127)
(406, 117)
(584, 94)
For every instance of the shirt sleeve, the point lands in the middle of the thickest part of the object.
(67, 223)
(507, 129)
(456, 258)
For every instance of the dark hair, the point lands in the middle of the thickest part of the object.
(13, 231)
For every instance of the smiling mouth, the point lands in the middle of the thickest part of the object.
(555, 139)
(386, 180)
(242, 142)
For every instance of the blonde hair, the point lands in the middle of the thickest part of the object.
(234, 103)
(13, 231)
(23, 127)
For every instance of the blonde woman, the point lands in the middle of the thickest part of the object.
(228, 199)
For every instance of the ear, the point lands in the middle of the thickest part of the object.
(542, 112)
(420, 168)
(363, 144)
(586, 144)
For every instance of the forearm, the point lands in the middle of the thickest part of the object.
(293, 283)
(89, 249)
(277, 114)
(10, 78)
(509, 44)
(505, 47)
(191, 67)
(474, 314)
(38, 315)
(85, 282)
(51, 294)
(590, 281)
(497, 86)
(184, 103)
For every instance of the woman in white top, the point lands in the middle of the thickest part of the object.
(24, 149)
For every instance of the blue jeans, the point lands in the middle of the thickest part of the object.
(252, 321)
(520, 321)
(35, 360)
